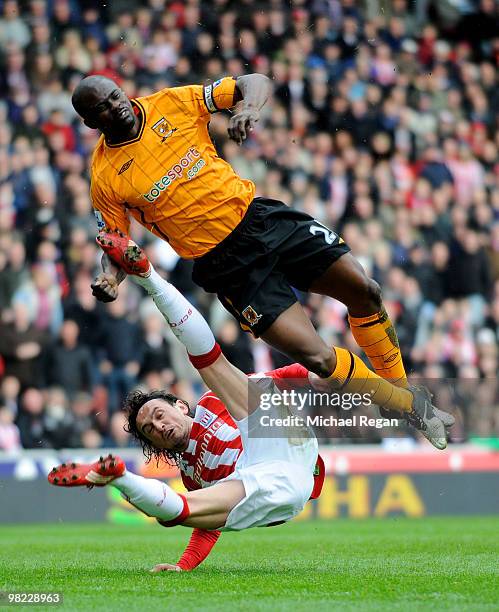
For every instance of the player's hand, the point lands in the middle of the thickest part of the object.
(105, 287)
(165, 567)
(242, 123)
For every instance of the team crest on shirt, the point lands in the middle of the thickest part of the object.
(251, 315)
(163, 128)
(207, 418)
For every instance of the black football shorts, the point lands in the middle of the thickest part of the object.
(273, 249)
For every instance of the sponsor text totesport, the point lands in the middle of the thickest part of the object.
(176, 172)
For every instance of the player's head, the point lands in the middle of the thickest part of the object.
(103, 105)
(161, 423)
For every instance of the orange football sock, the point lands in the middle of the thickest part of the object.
(377, 337)
(353, 376)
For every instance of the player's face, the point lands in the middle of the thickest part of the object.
(108, 108)
(165, 425)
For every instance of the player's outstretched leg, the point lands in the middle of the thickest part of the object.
(373, 330)
(152, 497)
(189, 326)
(375, 334)
(197, 336)
(206, 509)
(346, 281)
(342, 370)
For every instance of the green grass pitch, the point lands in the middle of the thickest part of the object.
(389, 564)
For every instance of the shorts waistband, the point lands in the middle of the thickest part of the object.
(250, 211)
(240, 227)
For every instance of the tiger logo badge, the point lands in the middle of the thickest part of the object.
(250, 314)
(163, 128)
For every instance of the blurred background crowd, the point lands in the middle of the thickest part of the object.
(383, 125)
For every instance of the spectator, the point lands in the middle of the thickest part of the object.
(22, 346)
(122, 350)
(69, 364)
(84, 420)
(59, 422)
(119, 437)
(10, 437)
(434, 169)
(42, 296)
(87, 313)
(13, 29)
(236, 347)
(156, 357)
(469, 271)
(9, 393)
(31, 420)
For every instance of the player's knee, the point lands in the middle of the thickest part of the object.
(369, 294)
(374, 292)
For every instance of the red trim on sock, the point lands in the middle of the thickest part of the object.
(181, 517)
(203, 361)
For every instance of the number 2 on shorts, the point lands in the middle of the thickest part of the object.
(329, 236)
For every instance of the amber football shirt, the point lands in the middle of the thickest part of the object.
(170, 178)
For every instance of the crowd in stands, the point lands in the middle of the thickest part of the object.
(383, 125)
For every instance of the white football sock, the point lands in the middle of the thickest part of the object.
(185, 321)
(153, 497)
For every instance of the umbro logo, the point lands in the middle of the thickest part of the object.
(125, 166)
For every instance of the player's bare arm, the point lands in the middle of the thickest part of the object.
(232, 386)
(254, 90)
